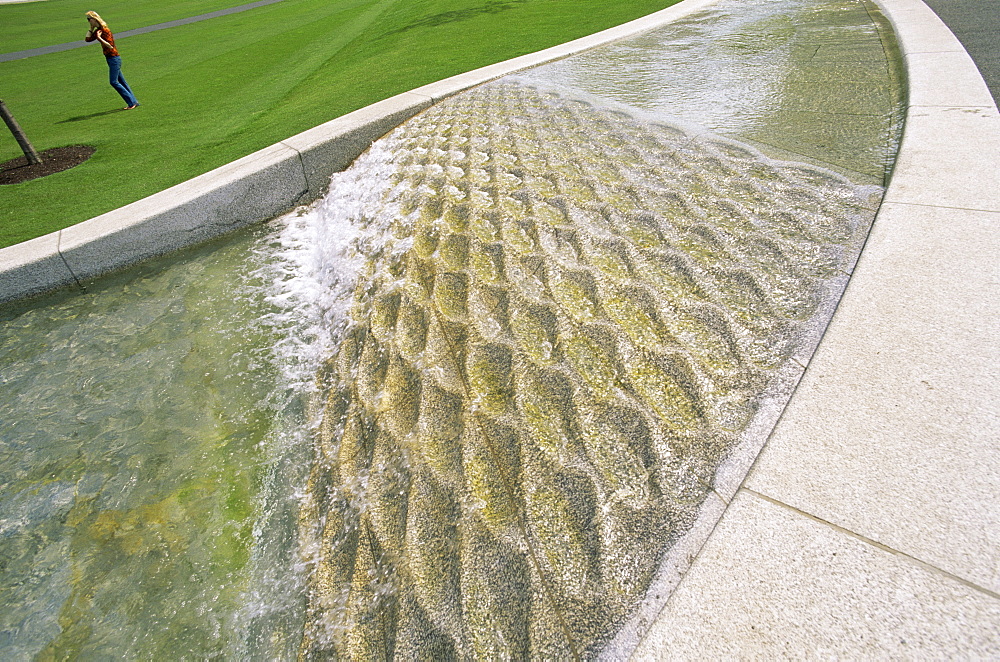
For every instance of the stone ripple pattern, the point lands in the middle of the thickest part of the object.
(565, 320)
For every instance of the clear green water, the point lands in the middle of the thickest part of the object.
(141, 460)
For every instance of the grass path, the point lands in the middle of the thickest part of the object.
(219, 89)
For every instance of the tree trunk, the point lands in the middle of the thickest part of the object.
(22, 140)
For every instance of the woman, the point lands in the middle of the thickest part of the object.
(99, 30)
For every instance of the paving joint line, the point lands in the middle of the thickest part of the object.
(936, 52)
(874, 543)
(952, 207)
(951, 105)
(72, 273)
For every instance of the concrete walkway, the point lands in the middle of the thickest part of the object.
(44, 50)
(869, 526)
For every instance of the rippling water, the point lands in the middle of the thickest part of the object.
(142, 442)
(461, 406)
(817, 81)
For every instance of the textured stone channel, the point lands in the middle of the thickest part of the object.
(566, 319)
(572, 306)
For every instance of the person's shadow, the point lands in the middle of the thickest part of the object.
(80, 118)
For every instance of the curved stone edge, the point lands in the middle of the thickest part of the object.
(256, 187)
(951, 139)
(944, 185)
(951, 129)
(947, 160)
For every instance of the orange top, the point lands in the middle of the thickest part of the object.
(110, 50)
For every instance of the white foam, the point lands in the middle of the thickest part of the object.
(314, 256)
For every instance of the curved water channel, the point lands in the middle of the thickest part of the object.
(463, 405)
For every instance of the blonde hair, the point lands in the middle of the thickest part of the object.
(97, 17)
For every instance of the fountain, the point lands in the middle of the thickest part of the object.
(464, 405)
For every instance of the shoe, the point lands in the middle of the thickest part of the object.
(130, 107)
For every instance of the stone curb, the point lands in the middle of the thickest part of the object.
(849, 425)
(254, 188)
(951, 140)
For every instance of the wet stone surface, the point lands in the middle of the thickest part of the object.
(565, 321)
(818, 81)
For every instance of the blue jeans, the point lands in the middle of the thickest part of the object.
(118, 81)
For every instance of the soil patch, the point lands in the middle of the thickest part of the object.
(54, 160)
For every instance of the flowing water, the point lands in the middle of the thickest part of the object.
(149, 450)
(463, 405)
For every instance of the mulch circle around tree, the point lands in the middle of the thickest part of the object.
(54, 160)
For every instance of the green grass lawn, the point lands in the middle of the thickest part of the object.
(220, 89)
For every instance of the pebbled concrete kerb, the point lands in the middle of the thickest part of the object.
(209, 205)
(867, 526)
(32, 267)
(254, 188)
